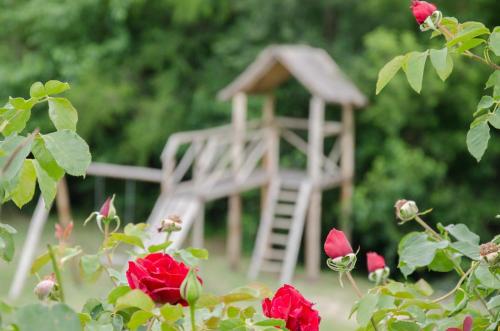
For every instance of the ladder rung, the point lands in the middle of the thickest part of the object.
(275, 254)
(288, 196)
(282, 223)
(269, 266)
(284, 209)
(278, 239)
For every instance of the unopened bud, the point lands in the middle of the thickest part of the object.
(45, 288)
(489, 252)
(379, 276)
(171, 224)
(108, 209)
(191, 288)
(406, 210)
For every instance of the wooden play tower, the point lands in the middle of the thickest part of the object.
(222, 162)
(225, 161)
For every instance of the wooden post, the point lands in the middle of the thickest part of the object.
(63, 203)
(234, 235)
(346, 168)
(270, 160)
(314, 169)
(198, 232)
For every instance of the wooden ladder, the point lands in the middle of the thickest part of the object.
(187, 207)
(281, 227)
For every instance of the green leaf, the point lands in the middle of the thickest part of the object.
(90, 265)
(117, 292)
(397, 325)
(414, 69)
(13, 144)
(25, 187)
(62, 114)
(159, 247)
(69, 150)
(494, 41)
(441, 262)
(171, 314)
(39, 263)
(487, 278)
(137, 299)
(14, 120)
(139, 318)
(37, 90)
(485, 102)
(40, 317)
(471, 30)
(495, 119)
(55, 87)
(47, 184)
(7, 245)
(494, 81)
(467, 248)
(477, 140)
(116, 237)
(366, 308)
(442, 62)
(388, 71)
(20, 103)
(471, 43)
(461, 300)
(462, 233)
(199, 253)
(45, 159)
(494, 302)
(416, 250)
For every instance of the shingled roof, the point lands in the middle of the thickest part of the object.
(312, 67)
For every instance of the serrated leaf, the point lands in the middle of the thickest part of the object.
(388, 71)
(442, 62)
(495, 119)
(62, 114)
(487, 278)
(37, 90)
(118, 292)
(471, 43)
(69, 150)
(414, 69)
(45, 159)
(137, 299)
(55, 87)
(47, 185)
(416, 250)
(25, 185)
(471, 30)
(366, 308)
(477, 140)
(14, 120)
(171, 313)
(485, 102)
(10, 145)
(494, 41)
(138, 318)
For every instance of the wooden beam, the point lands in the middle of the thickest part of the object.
(125, 172)
(271, 158)
(63, 203)
(234, 235)
(314, 169)
(347, 146)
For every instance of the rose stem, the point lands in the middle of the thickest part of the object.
(457, 266)
(359, 294)
(193, 320)
(57, 272)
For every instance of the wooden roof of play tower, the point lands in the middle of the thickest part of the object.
(312, 67)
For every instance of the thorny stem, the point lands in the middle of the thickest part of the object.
(359, 294)
(57, 271)
(457, 266)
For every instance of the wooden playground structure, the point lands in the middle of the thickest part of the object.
(222, 162)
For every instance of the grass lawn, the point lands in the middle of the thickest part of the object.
(333, 302)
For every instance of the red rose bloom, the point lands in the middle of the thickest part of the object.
(337, 245)
(374, 261)
(289, 305)
(159, 276)
(422, 9)
(466, 327)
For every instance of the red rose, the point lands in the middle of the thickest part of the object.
(159, 276)
(422, 9)
(374, 261)
(466, 327)
(289, 305)
(337, 245)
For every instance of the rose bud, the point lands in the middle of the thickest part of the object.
(339, 251)
(63, 233)
(406, 210)
(337, 245)
(171, 224)
(45, 288)
(108, 209)
(489, 252)
(422, 10)
(467, 326)
(378, 271)
(289, 305)
(191, 288)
